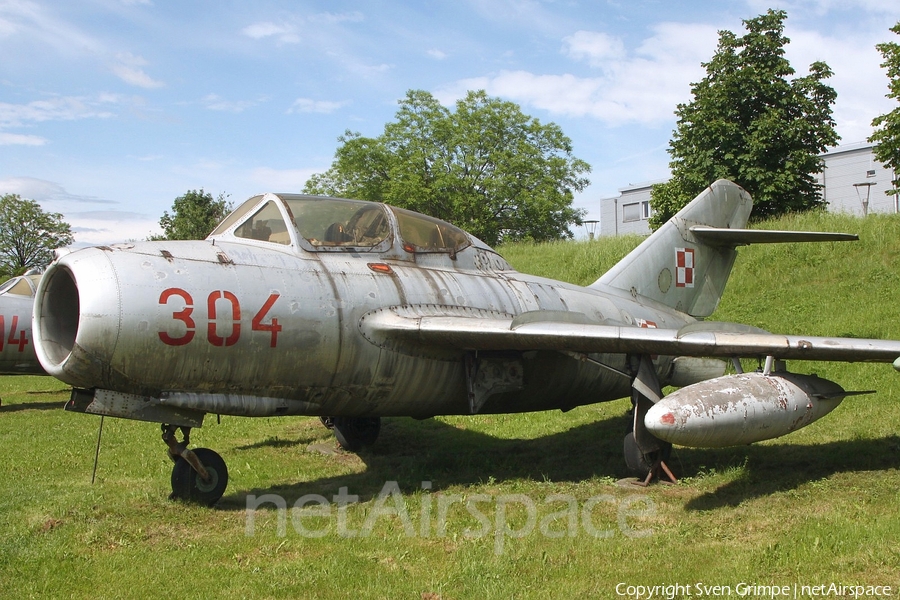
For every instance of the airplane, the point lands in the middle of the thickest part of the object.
(352, 311)
(17, 356)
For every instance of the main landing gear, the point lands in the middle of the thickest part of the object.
(648, 466)
(200, 475)
(353, 433)
(646, 455)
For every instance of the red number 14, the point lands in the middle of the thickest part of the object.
(15, 337)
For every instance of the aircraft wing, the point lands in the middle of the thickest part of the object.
(402, 330)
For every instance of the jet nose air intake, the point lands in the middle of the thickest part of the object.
(76, 316)
(57, 315)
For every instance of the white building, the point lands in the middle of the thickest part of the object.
(628, 212)
(853, 182)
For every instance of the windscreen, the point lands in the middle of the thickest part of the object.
(335, 223)
(266, 224)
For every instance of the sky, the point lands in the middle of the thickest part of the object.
(110, 109)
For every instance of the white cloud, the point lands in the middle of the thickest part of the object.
(437, 54)
(55, 109)
(7, 28)
(215, 102)
(289, 31)
(129, 70)
(41, 191)
(28, 187)
(643, 86)
(327, 36)
(116, 216)
(306, 105)
(363, 69)
(283, 33)
(597, 47)
(682, 43)
(860, 83)
(91, 229)
(41, 28)
(136, 77)
(344, 17)
(15, 139)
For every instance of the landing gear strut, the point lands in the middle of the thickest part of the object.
(353, 433)
(645, 454)
(200, 475)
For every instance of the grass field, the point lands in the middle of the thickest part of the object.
(513, 506)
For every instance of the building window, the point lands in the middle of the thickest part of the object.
(870, 173)
(636, 211)
(631, 212)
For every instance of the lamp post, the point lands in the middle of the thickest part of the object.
(591, 227)
(865, 201)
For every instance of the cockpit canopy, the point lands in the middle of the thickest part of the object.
(338, 224)
(23, 285)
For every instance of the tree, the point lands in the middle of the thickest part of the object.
(486, 167)
(887, 135)
(28, 235)
(748, 123)
(194, 216)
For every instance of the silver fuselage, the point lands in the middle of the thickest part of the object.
(250, 329)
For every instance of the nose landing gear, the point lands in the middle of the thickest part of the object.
(199, 476)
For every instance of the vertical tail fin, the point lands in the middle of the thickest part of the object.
(673, 266)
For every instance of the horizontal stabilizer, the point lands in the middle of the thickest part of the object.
(717, 236)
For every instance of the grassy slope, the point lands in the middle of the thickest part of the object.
(818, 506)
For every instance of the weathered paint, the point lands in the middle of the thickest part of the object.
(742, 409)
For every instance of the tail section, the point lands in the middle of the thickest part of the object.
(681, 268)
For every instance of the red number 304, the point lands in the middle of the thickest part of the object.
(212, 335)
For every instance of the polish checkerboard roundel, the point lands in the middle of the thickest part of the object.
(684, 267)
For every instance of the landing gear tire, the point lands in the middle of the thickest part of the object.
(189, 486)
(353, 433)
(639, 463)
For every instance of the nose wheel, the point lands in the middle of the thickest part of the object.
(199, 476)
(187, 484)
